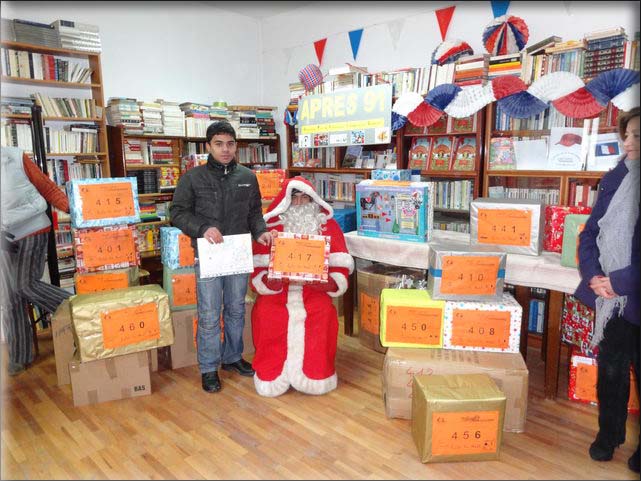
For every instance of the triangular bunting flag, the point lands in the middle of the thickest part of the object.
(287, 52)
(444, 15)
(319, 46)
(395, 28)
(355, 41)
(499, 7)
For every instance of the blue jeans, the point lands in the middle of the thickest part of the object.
(211, 291)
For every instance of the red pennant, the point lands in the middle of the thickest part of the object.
(444, 16)
(319, 46)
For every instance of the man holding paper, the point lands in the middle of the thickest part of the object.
(220, 198)
(294, 323)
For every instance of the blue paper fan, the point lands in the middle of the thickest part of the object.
(522, 105)
(611, 83)
(441, 96)
(398, 121)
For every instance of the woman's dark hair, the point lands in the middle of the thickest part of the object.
(624, 118)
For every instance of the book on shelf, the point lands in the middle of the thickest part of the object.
(501, 154)
(438, 127)
(463, 125)
(539, 47)
(608, 32)
(566, 150)
(419, 152)
(352, 154)
(441, 153)
(465, 154)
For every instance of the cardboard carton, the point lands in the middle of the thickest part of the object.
(63, 347)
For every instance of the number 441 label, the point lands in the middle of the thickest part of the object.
(130, 325)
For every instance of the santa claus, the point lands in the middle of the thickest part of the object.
(295, 324)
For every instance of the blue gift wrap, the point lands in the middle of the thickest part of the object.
(391, 174)
(346, 219)
(170, 247)
(111, 197)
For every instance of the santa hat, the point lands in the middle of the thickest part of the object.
(284, 199)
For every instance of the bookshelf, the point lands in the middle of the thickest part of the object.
(23, 64)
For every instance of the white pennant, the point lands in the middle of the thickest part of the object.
(287, 51)
(395, 28)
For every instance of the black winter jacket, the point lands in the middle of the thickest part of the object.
(215, 195)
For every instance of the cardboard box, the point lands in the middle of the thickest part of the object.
(508, 371)
(106, 280)
(106, 248)
(395, 210)
(153, 359)
(63, 347)
(473, 274)
(103, 380)
(554, 224)
(410, 318)
(510, 225)
(483, 326)
(176, 250)
(573, 226)
(180, 286)
(457, 417)
(102, 202)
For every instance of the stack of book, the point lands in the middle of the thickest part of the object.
(566, 57)
(133, 151)
(534, 61)
(265, 121)
(78, 36)
(160, 151)
(196, 118)
(440, 74)
(173, 119)
(125, 112)
(38, 66)
(148, 211)
(472, 70)
(501, 65)
(243, 119)
(36, 33)
(7, 32)
(606, 50)
(147, 180)
(16, 105)
(296, 90)
(151, 117)
(16, 133)
(219, 112)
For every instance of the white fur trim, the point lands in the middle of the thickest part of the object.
(341, 280)
(287, 199)
(341, 259)
(260, 286)
(261, 260)
(274, 388)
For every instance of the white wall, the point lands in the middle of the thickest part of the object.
(288, 38)
(178, 51)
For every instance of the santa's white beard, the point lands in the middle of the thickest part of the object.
(303, 219)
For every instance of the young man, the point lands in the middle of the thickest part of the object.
(212, 200)
(294, 324)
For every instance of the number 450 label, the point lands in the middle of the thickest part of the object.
(130, 325)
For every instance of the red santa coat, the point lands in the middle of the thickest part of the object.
(295, 329)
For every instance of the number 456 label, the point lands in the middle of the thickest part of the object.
(470, 432)
(130, 325)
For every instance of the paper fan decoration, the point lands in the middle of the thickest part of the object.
(555, 85)
(442, 95)
(398, 121)
(424, 115)
(310, 76)
(450, 51)
(406, 103)
(470, 100)
(505, 34)
(521, 105)
(507, 85)
(611, 83)
(580, 104)
(628, 99)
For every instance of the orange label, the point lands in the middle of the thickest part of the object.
(104, 201)
(466, 432)
(413, 325)
(481, 328)
(184, 289)
(392, 183)
(301, 256)
(469, 274)
(130, 325)
(633, 399)
(101, 282)
(585, 382)
(505, 226)
(100, 248)
(195, 330)
(369, 312)
(579, 229)
(269, 184)
(186, 257)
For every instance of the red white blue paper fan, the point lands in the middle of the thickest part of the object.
(398, 121)
(628, 99)
(450, 51)
(505, 34)
(507, 85)
(522, 105)
(424, 115)
(310, 76)
(611, 83)
(580, 104)
(406, 103)
(555, 85)
(442, 95)
(470, 100)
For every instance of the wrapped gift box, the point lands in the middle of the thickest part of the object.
(270, 182)
(508, 371)
(176, 250)
(106, 248)
(410, 318)
(483, 326)
(554, 223)
(510, 225)
(180, 286)
(391, 174)
(106, 280)
(577, 325)
(346, 219)
(471, 274)
(572, 227)
(446, 407)
(122, 321)
(103, 202)
(395, 210)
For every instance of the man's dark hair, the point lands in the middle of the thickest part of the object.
(220, 127)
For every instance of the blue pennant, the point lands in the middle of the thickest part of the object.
(499, 7)
(355, 40)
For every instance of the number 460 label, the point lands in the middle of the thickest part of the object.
(130, 325)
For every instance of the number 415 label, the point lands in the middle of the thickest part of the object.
(130, 325)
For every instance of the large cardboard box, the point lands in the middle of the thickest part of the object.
(508, 370)
(457, 417)
(103, 380)
(63, 347)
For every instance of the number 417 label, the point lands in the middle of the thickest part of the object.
(130, 325)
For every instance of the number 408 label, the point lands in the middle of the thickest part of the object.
(130, 325)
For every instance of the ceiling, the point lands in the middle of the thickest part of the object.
(257, 9)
